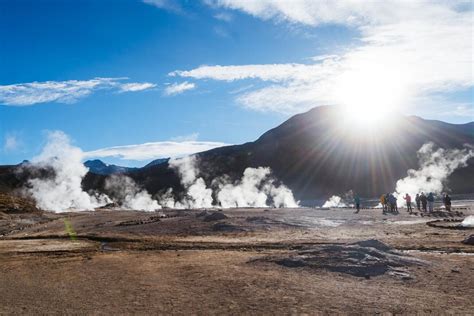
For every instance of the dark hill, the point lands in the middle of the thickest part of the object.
(317, 154)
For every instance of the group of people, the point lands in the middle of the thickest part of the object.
(423, 202)
(389, 203)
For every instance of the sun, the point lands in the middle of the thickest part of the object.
(369, 95)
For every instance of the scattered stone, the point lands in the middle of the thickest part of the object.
(216, 216)
(469, 240)
(455, 270)
(149, 220)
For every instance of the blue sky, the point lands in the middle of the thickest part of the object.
(190, 75)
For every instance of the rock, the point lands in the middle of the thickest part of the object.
(216, 216)
(469, 240)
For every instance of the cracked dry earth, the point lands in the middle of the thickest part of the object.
(241, 261)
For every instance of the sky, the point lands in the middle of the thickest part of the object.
(131, 81)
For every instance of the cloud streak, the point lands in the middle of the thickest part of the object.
(154, 150)
(178, 88)
(409, 52)
(70, 91)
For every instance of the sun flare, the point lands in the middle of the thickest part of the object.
(370, 94)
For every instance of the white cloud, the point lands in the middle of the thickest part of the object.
(410, 51)
(133, 87)
(12, 143)
(154, 150)
(178, 88)
(70, 91)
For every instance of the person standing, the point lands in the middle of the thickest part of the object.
(417, 201)
(357, 203)
(392, 201)
(430, 199)
(424, 201)
(384, 203)
(407, 198)
(447, 202)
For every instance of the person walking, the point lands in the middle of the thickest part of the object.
(357, 203)
(447, 202)
(407, 198)
(417, 201)
(430, 199)
(424, 201)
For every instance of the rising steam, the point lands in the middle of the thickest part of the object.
(334, 201)
(129, 195)
(197, 194)
(255, 189)
(435, 167)
(62, 191)
(468, 221)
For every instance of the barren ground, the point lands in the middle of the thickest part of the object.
(255, 261)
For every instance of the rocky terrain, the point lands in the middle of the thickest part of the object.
(235, 261)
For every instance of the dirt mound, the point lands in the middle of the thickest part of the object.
(367, 258)
(13, 204)
(216, 216)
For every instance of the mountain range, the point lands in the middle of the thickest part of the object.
(316, 154)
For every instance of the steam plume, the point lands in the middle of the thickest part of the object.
(63, 190)
(334, 201)
(129, 195)
(435, 166)
(255, 189)
(468, 221)
(197, 194)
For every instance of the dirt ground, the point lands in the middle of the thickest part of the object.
(240, 261)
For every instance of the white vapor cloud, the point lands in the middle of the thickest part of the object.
(154, 150)
(70, 91)
(178, 88)
(62, 191)
(436, 164)
(408, 52)
(256, 188)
